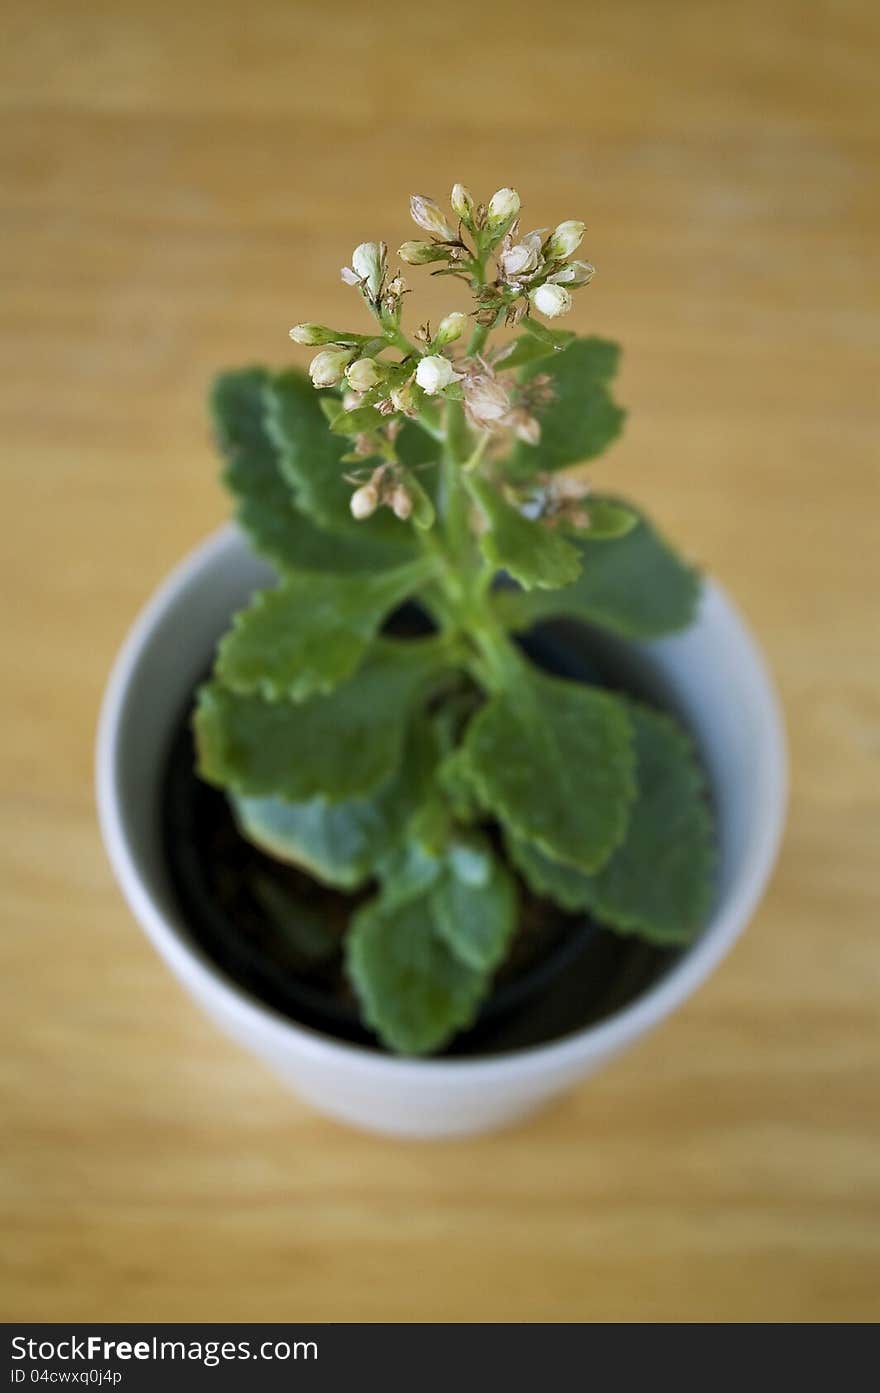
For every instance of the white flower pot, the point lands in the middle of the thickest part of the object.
(712, 675)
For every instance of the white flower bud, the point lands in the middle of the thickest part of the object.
(327, 368)
(451, 327)
(428, 214)
(565, 240)
(363, 374)
(368, 264)
(364, 501)
(503, 206)
(551, 300)
(420, 253)
(462, 201)
(575, 273)
(314, 334)
(401, 503)
(434, 373)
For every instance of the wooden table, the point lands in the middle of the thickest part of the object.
(181, 183)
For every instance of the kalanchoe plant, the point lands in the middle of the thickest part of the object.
(445, 770)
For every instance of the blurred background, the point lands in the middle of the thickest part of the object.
(181, 180)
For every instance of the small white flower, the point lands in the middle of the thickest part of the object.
(451, 327)
(575, 273)
(428, 214)
(462, 201)
(551, 300)
(503, 206)
(363, 374)
(364, 501)
(327, 368)
(434, 373)
(564, 240)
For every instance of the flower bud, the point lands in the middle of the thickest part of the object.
(364, 501)
(551, 300)
(363, 374)
(503, 206)
(434, 373)
(574, 274)
(462, 201)
(451, 327)
(419, 253)
(565, 240)
(368, 264)
(327, 368)
(427, 214)
(314, 334)
(401, 503)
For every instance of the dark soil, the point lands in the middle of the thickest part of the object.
(278, 932)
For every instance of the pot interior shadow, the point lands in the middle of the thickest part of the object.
(278, 933)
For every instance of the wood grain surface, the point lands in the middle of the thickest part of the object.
(181, 180)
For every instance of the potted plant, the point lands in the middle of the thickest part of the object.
(444, 840)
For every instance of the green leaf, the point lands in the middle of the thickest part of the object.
(344, 843)
(361, 419)
(266, 505)
(311, 462)
(342, 745)
(525, 549)
(311, 632)
(553, 339)
(636, 586)
(474, 905)
(414, 990)
(608, 520)
(553, 761)
(532, 345)
(657, 884)
(583, 419)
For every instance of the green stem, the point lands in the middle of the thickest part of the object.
(478, 339)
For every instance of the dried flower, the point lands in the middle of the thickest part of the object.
(451, 327)
(574, 274)
(519, 260)
(328, 367)
(434, 373)
(486, 402)
(551, 300)
(405, 398)
(363, 374)
(503, 206)
(426, 213)
(564, 240)
(364, 501)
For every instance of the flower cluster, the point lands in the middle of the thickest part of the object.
(510, 276)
